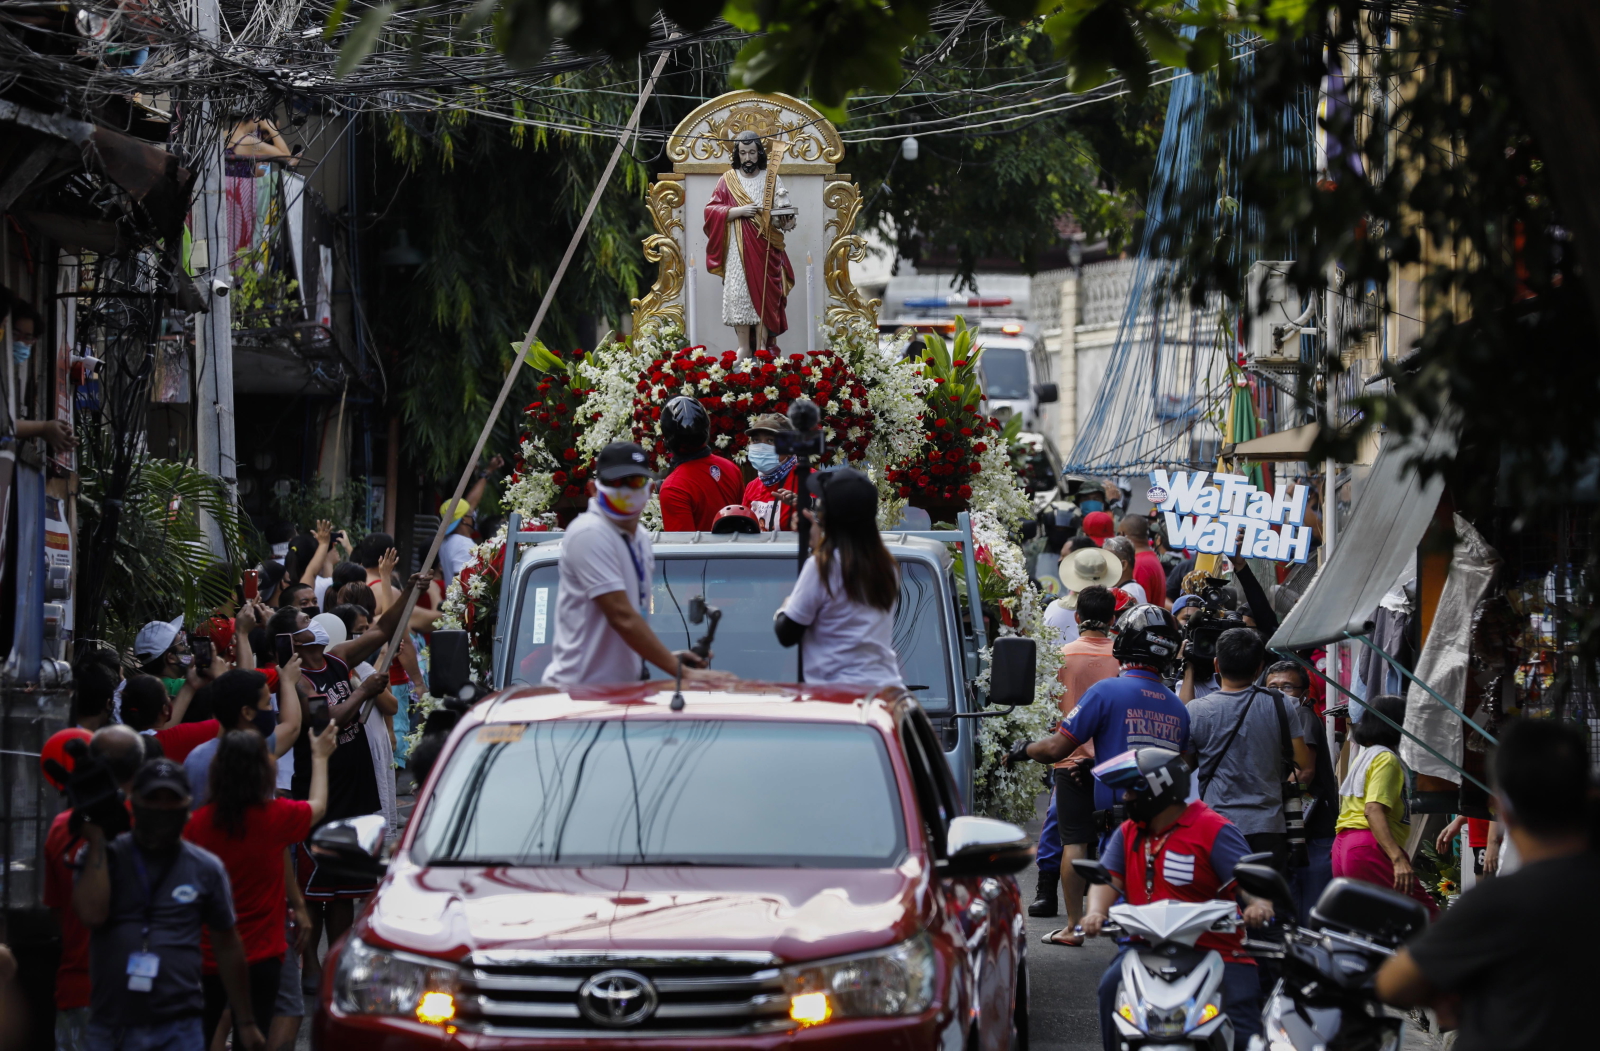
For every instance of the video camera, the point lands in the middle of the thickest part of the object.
(92, 791)
(807, 438)
(1216, 616)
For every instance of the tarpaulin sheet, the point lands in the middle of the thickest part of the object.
(1385, 526)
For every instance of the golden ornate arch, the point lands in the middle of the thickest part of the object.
(699, 144)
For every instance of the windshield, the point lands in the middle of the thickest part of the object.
(665, 791)
(748, 591)
(1005, 372)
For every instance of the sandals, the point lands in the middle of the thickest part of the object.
(1063, 937)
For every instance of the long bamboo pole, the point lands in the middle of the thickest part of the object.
(522, 353)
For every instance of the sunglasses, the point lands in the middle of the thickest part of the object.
(633, 481)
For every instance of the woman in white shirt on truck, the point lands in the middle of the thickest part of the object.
(841, 610)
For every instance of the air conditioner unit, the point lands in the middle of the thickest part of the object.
(1274, 316)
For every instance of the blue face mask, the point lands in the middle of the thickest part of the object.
(1091, 506)
(763, 457)
(21, 351)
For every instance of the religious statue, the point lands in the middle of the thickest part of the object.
(745, 221)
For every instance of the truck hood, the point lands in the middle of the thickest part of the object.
(796, 914)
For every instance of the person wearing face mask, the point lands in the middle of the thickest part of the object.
(145, 896)
(1322, 800)
(146, 708)
(1170, 849)
(249, 829)
(699, 483)
(601, 634)
(353, 790)
(242, 700)
(771, 493)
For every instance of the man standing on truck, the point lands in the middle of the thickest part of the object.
(700, 483)
(771, 493)
(606, 565)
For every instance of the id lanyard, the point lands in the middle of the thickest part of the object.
(644, 581)
(1152, 853)
(143, 966)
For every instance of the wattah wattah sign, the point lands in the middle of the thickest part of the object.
(1224, 514)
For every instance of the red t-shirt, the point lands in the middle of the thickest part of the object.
(774, 515)
(1149, 574)
(178, 741)
(255, 868)
(60, 853)
(1477, 832)
(695, 491)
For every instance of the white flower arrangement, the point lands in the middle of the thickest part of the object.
(1002, 793)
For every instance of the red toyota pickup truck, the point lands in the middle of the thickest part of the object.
(771, 866)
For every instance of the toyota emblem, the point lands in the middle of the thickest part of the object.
(617, 998)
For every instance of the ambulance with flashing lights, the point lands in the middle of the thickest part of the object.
(1015, 365)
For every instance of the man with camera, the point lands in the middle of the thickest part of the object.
(1247, 748)
(144, 896)
(601, 634)
(115, 754)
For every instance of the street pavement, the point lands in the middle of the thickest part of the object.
(1062, 1003)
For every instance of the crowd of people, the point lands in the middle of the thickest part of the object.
(197, 910)
(1210, 756)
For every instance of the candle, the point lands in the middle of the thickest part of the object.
(689, 295)
(811, 305)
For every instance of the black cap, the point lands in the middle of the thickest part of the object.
(158, 774)
(847, 495)
(621, 460)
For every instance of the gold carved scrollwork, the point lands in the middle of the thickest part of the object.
(664, 302)
(701, 140)
(845, 301)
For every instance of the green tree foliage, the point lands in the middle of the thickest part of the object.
(830, 49)
(492, 207)
(160, 564)
(1001, 191)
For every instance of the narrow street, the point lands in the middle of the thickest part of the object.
(1062, 1002)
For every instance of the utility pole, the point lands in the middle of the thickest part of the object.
(1330, 493)
(214, 438)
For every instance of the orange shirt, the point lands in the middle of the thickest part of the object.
(1084, 661)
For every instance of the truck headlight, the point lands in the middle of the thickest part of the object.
(381, 982)
(895, 981)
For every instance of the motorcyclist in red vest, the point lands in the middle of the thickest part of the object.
(1171, 849)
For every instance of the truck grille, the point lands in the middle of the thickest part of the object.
(531, 993)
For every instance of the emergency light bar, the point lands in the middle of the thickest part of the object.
(939, 302)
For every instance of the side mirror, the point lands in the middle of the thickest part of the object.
(351, 847)
(1263, 881)
(1262, 858)
(1046, 393)
(449, 663)
(982, 846)
(1091, 871)
(1011, 671)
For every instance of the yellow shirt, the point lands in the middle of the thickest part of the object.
(1386, 784)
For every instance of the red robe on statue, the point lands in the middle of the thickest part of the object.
(766, 265)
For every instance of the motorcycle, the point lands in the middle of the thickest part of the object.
(1326, 999)
(1169, 994)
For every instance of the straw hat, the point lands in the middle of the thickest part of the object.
(1089, 566)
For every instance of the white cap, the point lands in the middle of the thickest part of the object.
(333, 626)
(156, 638)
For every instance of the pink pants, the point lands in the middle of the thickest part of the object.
(1356, 854)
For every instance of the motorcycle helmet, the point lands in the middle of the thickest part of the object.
(735, 518)
(56, 761)
(685, 424)
(1146, 635)
(1155, 778)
